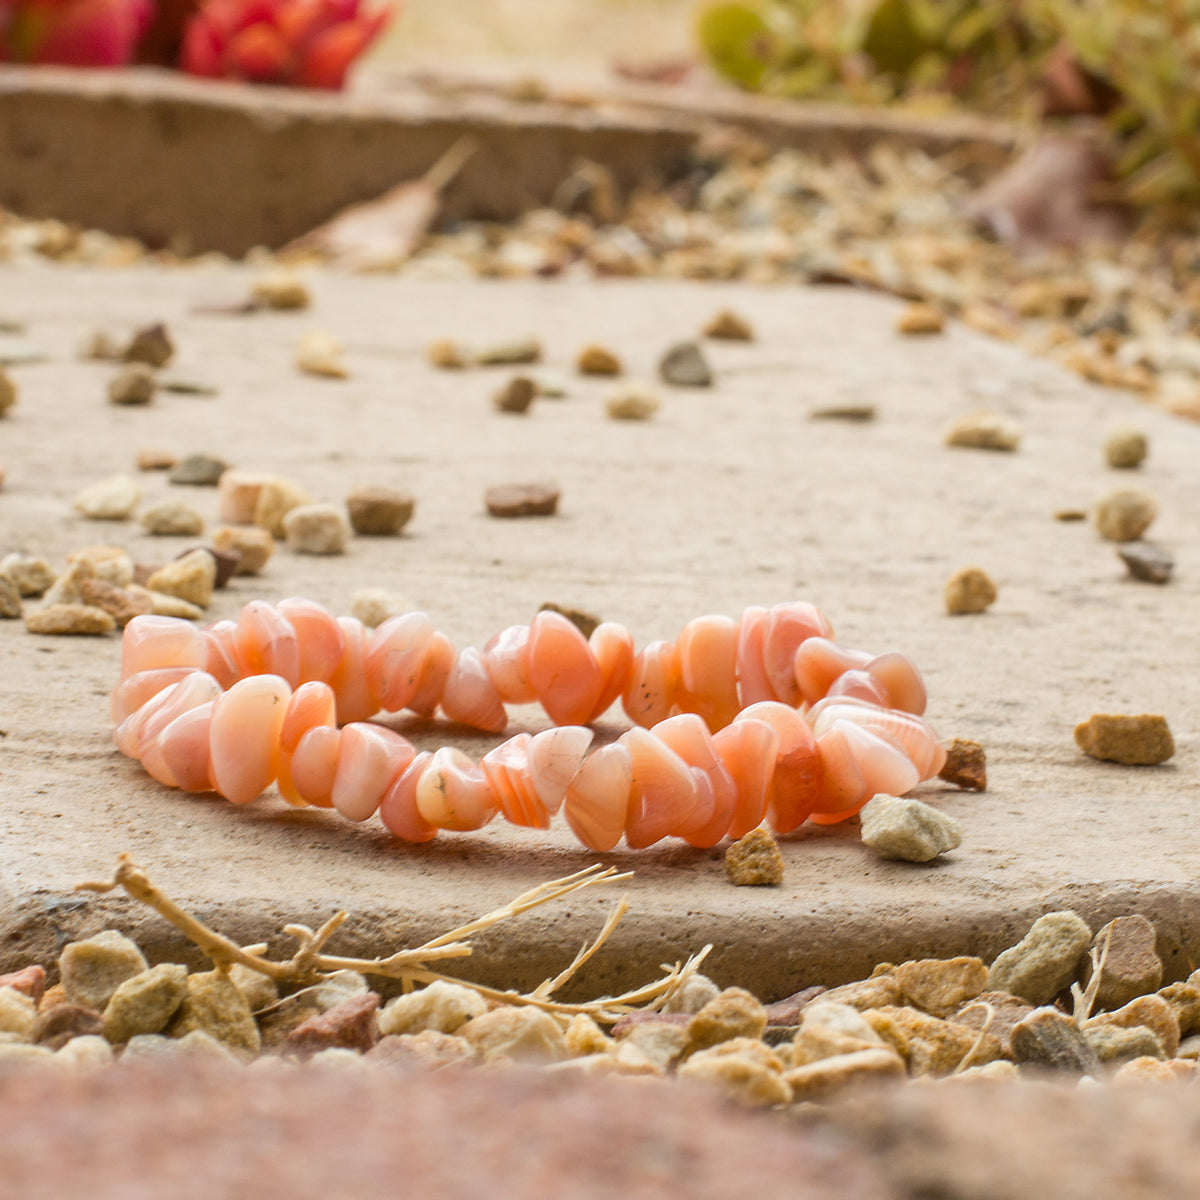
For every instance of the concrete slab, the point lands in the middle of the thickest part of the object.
(731, 497)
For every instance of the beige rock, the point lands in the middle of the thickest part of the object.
(729, 326)
(1141, 740)
(120, 603)
(1184, 999)
(425, 1051)
(19, 1052)
(199, 470)
(583, 1037)
(190, 578)
(145, 1002)
(132, 385)
(1131, 963)
(735, 1013)
(984, 431)
(253, 547)
(10, 599)
(172, 518)
(965, 765)
(999, 1011)
(440, 1006)
(693, 996)
(1045, 960)
(316, 529)
(1189, 1048)
(882, 990)
(32, 575)
(70, 619)
(523, 1034)
(237, 495)
(163, 605)
(829, 1029)
(280, 290)
(941, 986)
(8, 393)
(515, 396)
(522, 499)
(151, 345)
(111, 499)
(1124, 514)
(824, 1078)
(92, 969)
(743, 1069)
(1153, 1012)
(18, 1014)
(320, 353)
(86, 1053)
(1000, 1069)
(1153, 1070)
(449, 355)
(899, 827)
(196, 1044)
(969, 590)
(920, 318)
(1050, 1039)
(517, 352)
(212, 1004)
(112, 564)
(1117, 1043)
(373, 606)
(379, 511)
(66, 586)
(659, 1042)
(1125, 447)
(929, 1045)
(632, 401)
(754, 860)
(258, 989)
(276, 498)
(598, 360)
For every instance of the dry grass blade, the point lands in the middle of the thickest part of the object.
(1085, 1001)
(310, 964)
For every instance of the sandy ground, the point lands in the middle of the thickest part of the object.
(731, 497)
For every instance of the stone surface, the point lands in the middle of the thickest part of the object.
(515, 396)
(821, 1080)
(742, 1070)
(120, 603)
(517, 1033)
(172, 518)
(320, 353)
(965, 765)
(151, 345)
(735, 1013)
(1124, 514)
(440, 1006)
(379, 511)
(729, 326)
(585, 622)
(29, 981)
(598, 360)
(1115, 1044)
(1135, 740)
(18, 1014)
(828, 1029)
(1125, 447)
(70, 619)
(1152, 1012)
(984, 431)
(969, 590)
(199, 470)
(316, 529)
(1049, 1038)
(900, 827)
(92, 970)
(929, 1045)
(999, 1011)
(632, 400)
(373, 606)
(8, 393)
(1146, 561)
(191, 578)
(522, 500)
(213, 1005)
(111, 499)
(273, 499)
(225, 561)
(754, 860)
(281, 290)
(133, 385)
(684, 365)
(253, 547)
(1045, 961)
(941, 986)
(10, 599)
(1132, 967)
(145, 1003)
(516, 352)
(56, 1026)
(1184, 999)
(424, 1051)
(32, 575)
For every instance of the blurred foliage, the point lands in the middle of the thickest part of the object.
(1136, 61)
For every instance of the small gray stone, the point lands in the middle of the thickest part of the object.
(1132, 967)
(1049, 1038)
(199, 470)
(1118, 1044)
(91, 970)
(145, 1002)
(902, 828)
(1044, 961)
(172, 518)
(684, 365)
(132, 385)
(316, 529)
(1147, 562)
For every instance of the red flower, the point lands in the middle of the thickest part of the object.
(308, 43)
(72, 33)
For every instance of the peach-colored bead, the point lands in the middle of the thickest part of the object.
(322, 642)
(597, 802)
(563, 672)
(126, 734)
(506, 657)
(470, 697)
(612, 647)
(369, 759)
(311, 705)
(453, 793)
(858, 684)
(197, 689)
(910, 733)
(798, 767)
(149, 642)
(434, 672)
(555, 756)
(244, 741)
(707, 654)
(652, 682)
(396, 654)
(349, 682)
(662, 795)
(220, 640)
(130, 694)
(508, 773)
(787, 628)
(818, 662)
(687, 735)
(314, 764)
(267, 643)
(398, 809)
(901, 681)
(749, 750)
(753, 684)
(184, 747)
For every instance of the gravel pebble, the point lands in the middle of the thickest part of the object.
(92, 969)
(899, 827)
(151, 345)
(1132, 966)
(111, 499)
(238, 494)
(449, 356)
(1051, 1039)
(729, 326)
(819, 1080)
(33, 576)
(321, 354)
(275, 498)
(172, 518)
(120, 603)
(351, 1025)
(684, 365)
(373, 606)
(226, 562)
(985, 431)
(199, 470)
(1045, 960)
(8, 393)
(212, 1004)
(132, 385)
(735, 1013)
(155, 458)
(965, 765)
(10, 599)
(441, 1006)
(1141, 740)
(1147, 562)
(379, 511)
(522, 1034)
(969, 590)
(191, 578)
(598, 360)
(1124, 514)
(253, 547)
(18, 1014)
(742, 1070)
(754, 860)
(515, 353)
(1153, 1012)
(316, 529)
(57, 1025)
(70, 618)
(145, 1002)
(515, 396)
(920, 318)
(1125, 447)
(280, 290)
(522, 499)
(855, 413)
(940, 986)
(632, 401)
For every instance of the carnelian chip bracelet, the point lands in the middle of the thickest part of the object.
(736, 722)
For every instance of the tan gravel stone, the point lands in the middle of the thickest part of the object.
(112, 564)
(32, 575)
(85, 1053)
(441, 1006)
(984, 431)
(515, 353)
(276, 498)
(213, 1005)
(929, 1045)
(373, 606)
(1141, 740)
(729, 326)
(132, 385)
(829, 1029)
(145, 1002)
(91, 970)
(197, 1044)
(1124, 514)
(880, 991)
(111, 499)
(61, 1023)
(172, 518)
(316, 529)
(1153, 1070)
(163, 605)
(515, 396)
(66, 586)
(1118, 1043)
(18, 1014)
(919, 318)
(8, 393)
(735, 1013)
(1153, 1012)
(1045, 961)
(754, 860)
(899, 827)
(121, 604)
(999, 1011)
(743, 1070)
(1125, 447)
(693, 996)
(70, 619)
(632, 401)
(1048, 1038)
(522, 499)
(190, 578)
(281, 290)
(1184, 1000)
(941, 986)
(818, 1081)
(151, 345)
(259, 989)
(965, 765)
(598, 360)
(583, 1036)
(523, 1034)
(253, 547)
(449, 355)
(321, 354)
(237, 495)
(10, 599)
(379, 511)
(199, 470)
(969, 590)
(660, 1042)
(1131, 964)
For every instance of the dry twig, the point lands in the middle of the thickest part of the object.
(311, 964)
(1085, 1001)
